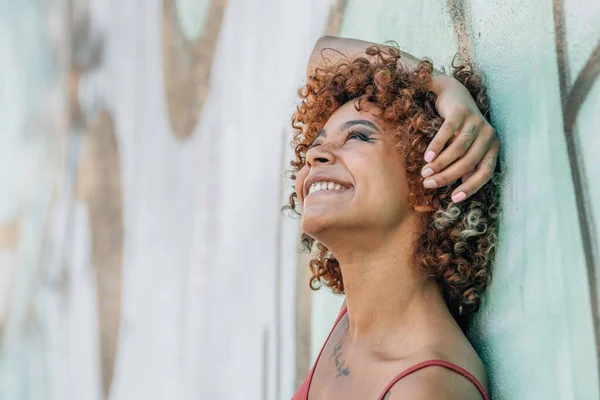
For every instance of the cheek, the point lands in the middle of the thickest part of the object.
(394, 171)
(299, 183)
(395, 181)
(383, 183)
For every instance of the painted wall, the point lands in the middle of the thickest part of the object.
(143, 254)
(538, 328)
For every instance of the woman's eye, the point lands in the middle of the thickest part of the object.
(357, 135)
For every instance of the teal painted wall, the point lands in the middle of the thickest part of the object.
(536, 330)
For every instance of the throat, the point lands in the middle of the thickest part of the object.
(383, 321)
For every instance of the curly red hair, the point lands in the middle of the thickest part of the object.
(458, 245)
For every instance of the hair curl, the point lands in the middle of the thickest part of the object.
(458, 246)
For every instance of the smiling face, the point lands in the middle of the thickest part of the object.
(354, 178)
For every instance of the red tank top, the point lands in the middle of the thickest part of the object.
(302, 393)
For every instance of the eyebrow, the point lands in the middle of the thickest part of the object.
(348, 124)
(359, 122)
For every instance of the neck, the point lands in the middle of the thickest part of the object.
(386, 297)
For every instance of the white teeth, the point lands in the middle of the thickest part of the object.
(315, 187)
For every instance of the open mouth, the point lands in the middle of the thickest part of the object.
(326, 187)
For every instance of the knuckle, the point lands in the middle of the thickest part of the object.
(434, 165)
(443, 180)
(458, 147)
(446, 179)
(461, 109)
(466, 189)
(489, 130)
(439, 163)
(465, 166)
(471, 163)
(478, 120)
(436, 143)
(487, 172)
(448, 129)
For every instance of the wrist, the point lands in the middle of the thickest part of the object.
(441, 82)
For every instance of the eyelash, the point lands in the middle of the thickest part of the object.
(348, 136)
(359, 135)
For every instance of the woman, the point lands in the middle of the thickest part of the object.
(402, 213)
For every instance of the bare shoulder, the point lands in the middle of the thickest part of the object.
(448, 343)
(434, 382)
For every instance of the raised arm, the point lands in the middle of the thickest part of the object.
(356, 47)
(473, 147)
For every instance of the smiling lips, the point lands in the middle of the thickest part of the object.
(325, 186)
(315, 187)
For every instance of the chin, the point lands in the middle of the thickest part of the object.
(315, 222)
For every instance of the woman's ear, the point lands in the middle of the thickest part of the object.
(425, 205)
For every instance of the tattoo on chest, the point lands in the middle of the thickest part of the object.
(338, 358)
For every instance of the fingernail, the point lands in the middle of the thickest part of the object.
(429, 156)
(426, 172)
(458, 197)
(430, 184)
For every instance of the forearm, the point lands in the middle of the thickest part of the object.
(355, 47)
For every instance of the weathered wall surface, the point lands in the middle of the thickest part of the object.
(143, 254)
(538, 329)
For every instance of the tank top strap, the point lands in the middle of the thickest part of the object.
(302, 393)
(440, 363)
(312, 371)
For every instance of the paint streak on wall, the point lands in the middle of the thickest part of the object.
(187, 64)
(9, 232)
(98, 183)
(9, 236)
(460, 12)
(572, 97)
(99, 187)
(334, 22)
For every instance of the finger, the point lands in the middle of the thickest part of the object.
(484, 173)
(458, 147)
(467, 176)
(467, 164)
(447, 130)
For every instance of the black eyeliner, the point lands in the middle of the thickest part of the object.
(363, 136)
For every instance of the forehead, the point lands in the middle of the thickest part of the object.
(348, 112)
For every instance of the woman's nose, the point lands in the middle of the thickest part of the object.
(320, 154)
